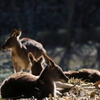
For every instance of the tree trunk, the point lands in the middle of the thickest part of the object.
(69, 22)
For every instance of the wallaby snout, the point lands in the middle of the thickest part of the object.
(5, 47)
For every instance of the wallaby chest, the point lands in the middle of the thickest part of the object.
(19, 58)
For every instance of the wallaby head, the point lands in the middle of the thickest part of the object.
(10, 42)
(53, 70)
(37, 64)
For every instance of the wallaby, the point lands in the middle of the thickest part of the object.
(89, 75)
(37, 64)
(26, 85)
(19, 49)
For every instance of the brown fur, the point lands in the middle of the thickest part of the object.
(19, 49)
(25, 85)
(89, 75)
(37, 64)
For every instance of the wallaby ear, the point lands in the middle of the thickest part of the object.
(51, 63)
(40, 59)
(13, 31)
(18, 33)
(31, 57)
(46, 58)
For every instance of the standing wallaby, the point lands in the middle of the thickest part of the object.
(26, 85)
(19, 49)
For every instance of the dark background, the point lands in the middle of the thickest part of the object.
(68, 29)
(81, 18)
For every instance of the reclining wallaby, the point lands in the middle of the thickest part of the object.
(39, 65)
(89, 75)
(26, 85)
(19, 49)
